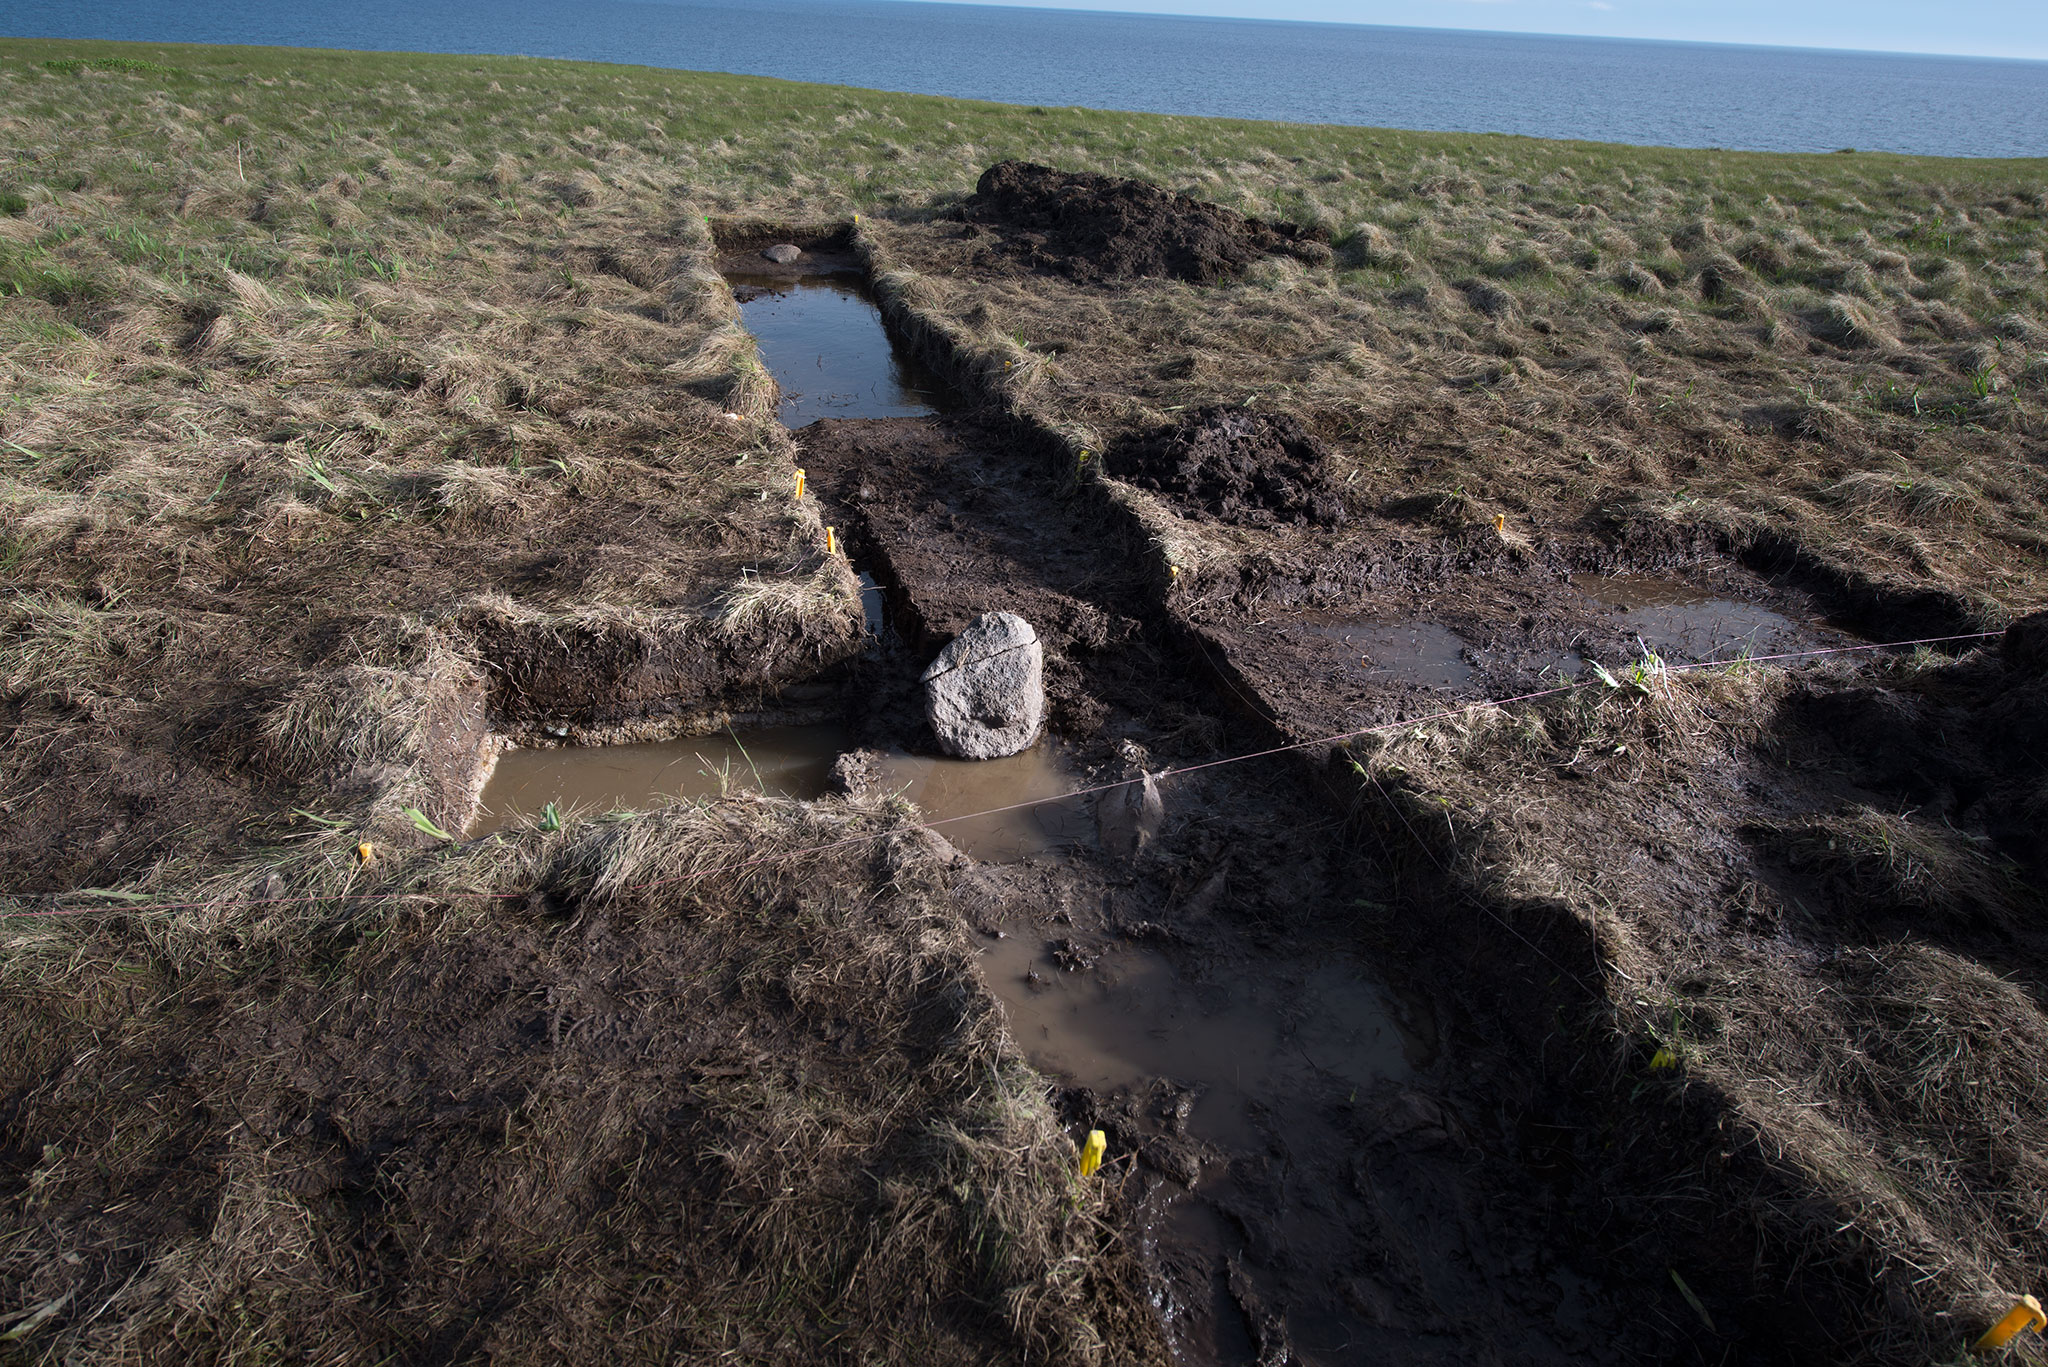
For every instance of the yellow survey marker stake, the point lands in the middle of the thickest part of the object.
(2024, 1316)
(364, 851)
(799, 485)
(1092, 1151)
(831, 541)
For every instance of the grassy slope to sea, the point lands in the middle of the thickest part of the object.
(363, 411)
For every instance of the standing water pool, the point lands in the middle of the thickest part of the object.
(821, 337)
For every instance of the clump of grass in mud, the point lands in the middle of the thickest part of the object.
(763, 604)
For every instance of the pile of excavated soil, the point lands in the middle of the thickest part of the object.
(1236, 465)
(1096, 228)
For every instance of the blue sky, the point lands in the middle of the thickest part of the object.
(1977, 28)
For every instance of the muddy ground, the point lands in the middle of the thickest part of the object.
(1611, 877)
(1695, 1012)
(1106, 228)
(1396, 1219)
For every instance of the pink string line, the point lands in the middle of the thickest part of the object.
(829, 846)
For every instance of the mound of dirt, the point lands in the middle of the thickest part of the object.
(1237, 465)
(1095, 228)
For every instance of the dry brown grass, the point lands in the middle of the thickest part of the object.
(769, 1114)
(1512, 337)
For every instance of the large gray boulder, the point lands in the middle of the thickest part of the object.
(783, 253)
(985, 694)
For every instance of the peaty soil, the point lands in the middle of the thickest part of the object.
(1285, 1214)
(764, 1115)
(1095, 228)
(1236, 465)
(1728, 1088)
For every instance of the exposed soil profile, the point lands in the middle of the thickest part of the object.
(1097, 228)
(1458, 975)
(1235, 464)
(1307, 1174)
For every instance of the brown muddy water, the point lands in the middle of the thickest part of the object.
(796, 761)
(821, 337)
(1682, 620)
(1406, 652)
(1250, 1044)
(583, 780)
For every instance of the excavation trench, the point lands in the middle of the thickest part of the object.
(1310, 1165)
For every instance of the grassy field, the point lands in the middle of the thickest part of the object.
(358, 411)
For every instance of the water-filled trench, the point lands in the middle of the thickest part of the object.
(1288, 1049)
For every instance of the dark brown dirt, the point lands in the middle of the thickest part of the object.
(1817, 887)
(1237, 465)
(1608, 870)
(1095, 228)
(1406, 1221)
(1322, 654)
(958, 516)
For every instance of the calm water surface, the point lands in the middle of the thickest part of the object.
(823, 341)
(1611, 90)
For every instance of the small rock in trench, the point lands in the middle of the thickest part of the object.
(856, 773)
(985, 693)
(1129, 818)
(782, 253)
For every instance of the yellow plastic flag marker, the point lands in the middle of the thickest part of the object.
(831, 541)
(799, 485)
(1092, 1151)
(2024, 1315)
(1500, 522)
(1663, 1061)
(364, 851)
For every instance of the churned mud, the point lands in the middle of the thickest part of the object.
(1484, 936)
(1091, 227)
(1326, 667)
(1235, 464)
(1311, 1174)
(1303, 1154)
(1592, 886)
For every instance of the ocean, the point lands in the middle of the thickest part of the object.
(1609, 90)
